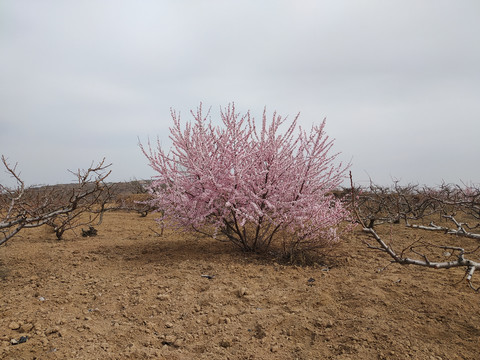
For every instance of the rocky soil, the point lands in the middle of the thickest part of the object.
(129, 294)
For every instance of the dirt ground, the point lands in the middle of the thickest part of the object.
(130, 294)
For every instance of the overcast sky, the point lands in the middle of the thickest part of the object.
(398, 81)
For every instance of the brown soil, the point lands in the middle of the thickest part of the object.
(129, 294)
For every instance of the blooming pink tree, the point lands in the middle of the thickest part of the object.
(255, 187)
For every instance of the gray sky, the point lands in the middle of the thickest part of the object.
(398, 81)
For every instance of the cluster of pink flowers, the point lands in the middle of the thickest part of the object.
(251, 185)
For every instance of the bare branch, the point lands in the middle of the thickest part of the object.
(469, 265)
(460, 231)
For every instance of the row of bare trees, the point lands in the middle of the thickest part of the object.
(449, 209)
(68, 206)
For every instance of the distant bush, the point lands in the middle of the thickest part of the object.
(255, 187)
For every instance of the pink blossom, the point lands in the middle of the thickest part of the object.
(258, 187)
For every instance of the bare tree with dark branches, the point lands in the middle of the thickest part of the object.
(62, 207)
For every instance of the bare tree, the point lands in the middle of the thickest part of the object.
(378, 205)
(85, 200)
(133, 196)
(62, 207)
(411, 204)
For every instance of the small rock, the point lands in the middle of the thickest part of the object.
(225, 344)
(14, 325)
(241, 292)
(14, 341)
(178, 342)
(169, 340)
(51, 331)
(26, 328)
(163, 297)
(168, 325)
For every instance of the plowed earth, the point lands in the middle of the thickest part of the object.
(129, 294)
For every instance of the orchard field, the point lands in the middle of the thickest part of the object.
(128, 293)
